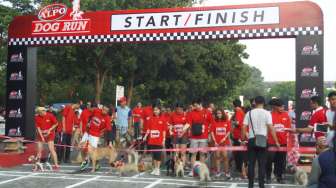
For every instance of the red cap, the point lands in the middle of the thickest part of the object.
(122, 99)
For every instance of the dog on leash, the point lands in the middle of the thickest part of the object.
(300, 176)
(130, 166)
(202, 170)
(100, 153)
(179, 168)
(40, 164)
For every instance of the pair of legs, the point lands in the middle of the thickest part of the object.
(240, 158)
(66, 140)
(156, 157)
(260, 154)
(51, 148)
(196, 144)
(180, 143)
(279, 160)
(222, 156)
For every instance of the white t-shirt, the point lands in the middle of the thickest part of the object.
(330, 118)
(260, 118)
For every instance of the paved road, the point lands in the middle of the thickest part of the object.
(67, 177)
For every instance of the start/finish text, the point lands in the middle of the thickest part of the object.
(194, 19)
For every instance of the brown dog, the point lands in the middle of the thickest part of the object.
(100, 153)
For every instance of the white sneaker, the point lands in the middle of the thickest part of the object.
(191, 174)
(153, 172)
(157, 173)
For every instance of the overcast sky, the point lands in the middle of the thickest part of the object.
(266, 53)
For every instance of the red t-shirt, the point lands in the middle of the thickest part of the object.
(178, 120)
(84, 118)
(98, 123)
(318, 117)
(45, 122)
(69, 115)
(281, 122)
(147, 113)
(203, 117)
(239, 118)
(220, 129)
(138, 112)
(166, 116)
(157, 126)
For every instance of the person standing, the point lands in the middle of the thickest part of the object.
(123, 118)
(198, 121)
(136, 114)
(220, 134)
(236, 130)
(259, 123)
(281, 123)
(156, 134)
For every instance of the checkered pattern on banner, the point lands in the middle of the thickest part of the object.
(172, 36)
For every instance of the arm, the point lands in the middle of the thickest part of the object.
(308, 129)
(271, 129)
(213, 138)
(315, 173)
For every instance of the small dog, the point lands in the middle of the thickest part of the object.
(170, 166)
(40, 164)
(99, 153)
(179, 168)
(131, 166)
(300, 176)
(202, 170)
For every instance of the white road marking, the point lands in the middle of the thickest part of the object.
(234, 185)
(18, 178)
(83, 182)
(138, 175)
(154, 183)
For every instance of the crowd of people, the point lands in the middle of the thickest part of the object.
(155, 127)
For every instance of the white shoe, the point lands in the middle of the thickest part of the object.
(157, 172)
(153, 172)
(191, 174)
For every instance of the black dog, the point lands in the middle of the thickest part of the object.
(170, 165)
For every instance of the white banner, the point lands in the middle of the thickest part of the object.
(120, 92)
(196, 19)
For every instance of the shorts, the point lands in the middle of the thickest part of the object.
(85, 137)
(198, 143)
(93, 141)
(50, 137)
(180, 140)
(156, 155)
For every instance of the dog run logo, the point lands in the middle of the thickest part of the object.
(310, 72)
(15, 94)
(56, 18)
(16, 76)
(16, 58)
(305, 115)
(310, 50)
(15, 113)
(308, 93)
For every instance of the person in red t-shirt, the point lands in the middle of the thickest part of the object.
(282, 124)
(136, 114)
(237, 120)
(84, 118)
(198, 121)
(318, 118)
(68, 121)
(220, 130)
(46, 124)
(156, 134)
(178, 130)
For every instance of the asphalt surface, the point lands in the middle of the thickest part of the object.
(69, 176)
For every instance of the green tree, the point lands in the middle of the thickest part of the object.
(283, 90)
(254, 85)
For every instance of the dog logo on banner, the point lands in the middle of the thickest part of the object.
(76, 13)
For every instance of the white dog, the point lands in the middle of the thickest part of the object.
(202, 170)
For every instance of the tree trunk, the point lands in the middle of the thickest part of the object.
(130, 88)
(100, 78)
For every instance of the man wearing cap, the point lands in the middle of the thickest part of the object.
(281, 123)
(46, 124)
(123, 117)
